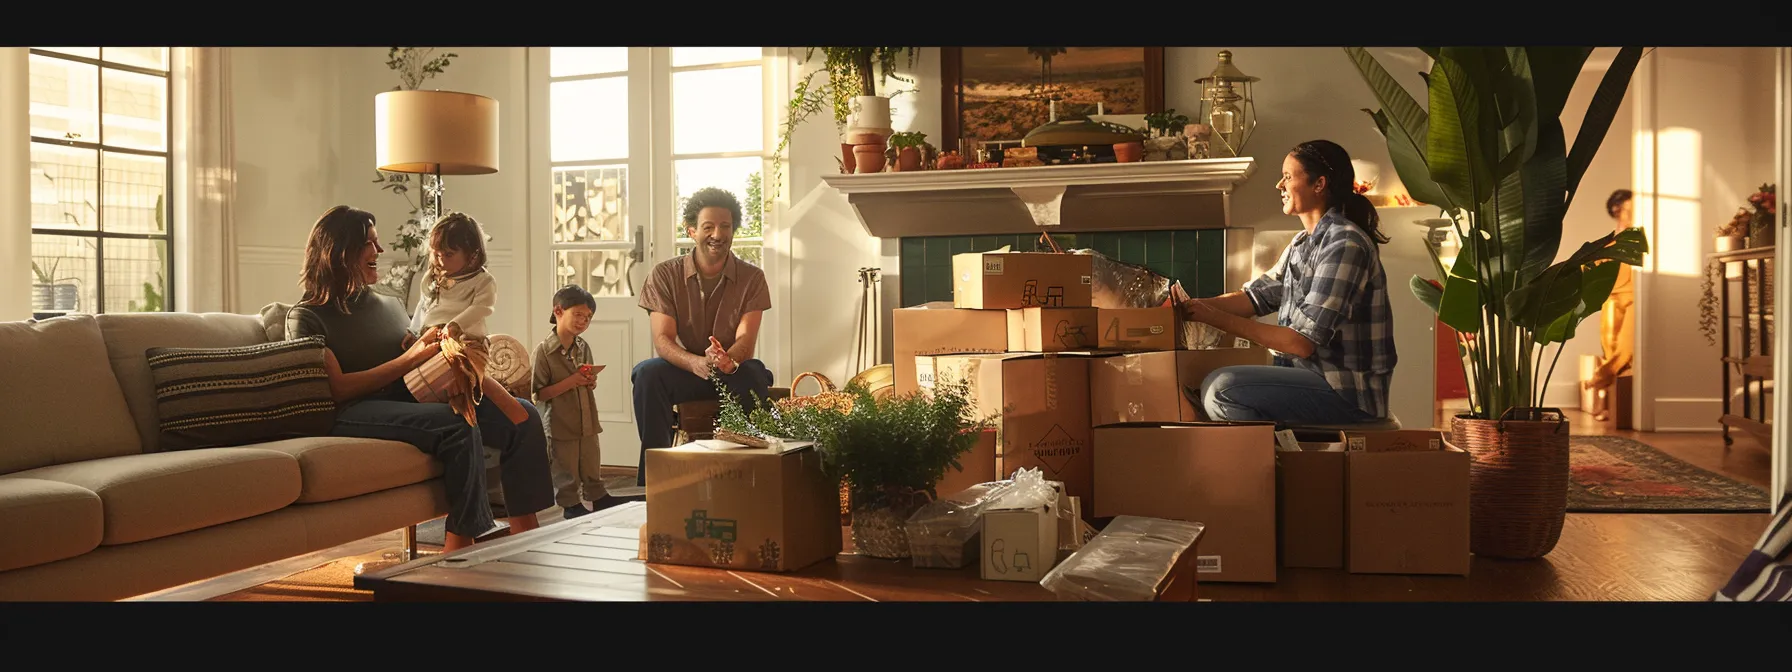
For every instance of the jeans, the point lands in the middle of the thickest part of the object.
(660, 384)
(439, 432)
(1283, 394)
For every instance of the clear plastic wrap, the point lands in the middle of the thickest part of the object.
(1126, 562)
(942, 533)
(1117, 284)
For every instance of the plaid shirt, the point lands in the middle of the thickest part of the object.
(1335, 294)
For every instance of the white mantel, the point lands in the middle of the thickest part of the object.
(1188, 194)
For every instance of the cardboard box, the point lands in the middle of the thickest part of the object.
(1310, 501)
(1019, 544)
(939, 329)
(1021, 279)
(1158, 386)
(720, 504)
(1222, 475)
(1044, 402)
(1144, 329)
(1051, 329)
(978, 466)
(1406, 511)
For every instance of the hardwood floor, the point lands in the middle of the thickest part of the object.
(1600, 557)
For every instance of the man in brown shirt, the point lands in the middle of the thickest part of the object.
(708, 293)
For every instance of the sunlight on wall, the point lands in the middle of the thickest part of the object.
(1679, 230)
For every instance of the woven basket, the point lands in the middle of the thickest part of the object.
(828, 395)
(1518, 482)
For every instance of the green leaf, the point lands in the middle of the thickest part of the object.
(1453, 145)
(1553, 71)
(1408, 154)
(1426, 293)
(1553, 294)
(1461, 304)
(1545, 182)
(1600, 113)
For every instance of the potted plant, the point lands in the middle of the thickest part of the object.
(850, 92)
(908, 146)
(1163, 136)
(890, 451)
(52, 292)
(1752, 226)
(1760, 219)
(1491, 152)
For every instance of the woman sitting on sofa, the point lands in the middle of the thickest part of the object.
(369, 348)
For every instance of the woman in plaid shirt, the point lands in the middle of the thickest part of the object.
(1334, 333)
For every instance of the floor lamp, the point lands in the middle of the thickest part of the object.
(435, 133)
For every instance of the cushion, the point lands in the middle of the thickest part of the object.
(273, 320)
(46, 521)
(59, 401)
(340, 467)
(1766, 574)
(128, 335)
(214, 397)
(156, 495)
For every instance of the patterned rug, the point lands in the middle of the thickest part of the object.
(1612, 474)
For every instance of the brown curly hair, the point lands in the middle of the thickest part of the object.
(456, 231)
(330, 275)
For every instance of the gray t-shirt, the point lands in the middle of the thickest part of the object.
(370, 334)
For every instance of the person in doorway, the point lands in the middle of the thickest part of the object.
(1334, 333)
(1617, 322)
(705, 307)
(368, 349)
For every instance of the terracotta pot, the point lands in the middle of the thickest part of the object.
(1517, 481)
(1129, 152)
(868, 158)
(908, 159)
(846, 158)
(856, 137)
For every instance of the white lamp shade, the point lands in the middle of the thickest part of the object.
(435, 131)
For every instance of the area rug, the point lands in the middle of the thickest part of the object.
(1613, 474)
(330, 582)
(435, 534)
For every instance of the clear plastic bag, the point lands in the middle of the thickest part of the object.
(1126, 562)
(1117, 284)
(942, 533)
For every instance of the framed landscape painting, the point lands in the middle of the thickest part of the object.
(1002, 93)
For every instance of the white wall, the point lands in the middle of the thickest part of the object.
(15, 184)
(288, 165)
(1704, 134)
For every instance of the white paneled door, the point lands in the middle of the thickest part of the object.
(619, 137)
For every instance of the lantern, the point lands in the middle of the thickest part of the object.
(1227, 106)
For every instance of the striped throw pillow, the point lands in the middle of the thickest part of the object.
(211, 397)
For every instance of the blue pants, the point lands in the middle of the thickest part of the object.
(438, 431)
(1283, 394)
(660, 384)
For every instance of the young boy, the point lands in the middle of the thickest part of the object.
(564, 380)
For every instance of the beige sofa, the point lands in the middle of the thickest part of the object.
(91, 509)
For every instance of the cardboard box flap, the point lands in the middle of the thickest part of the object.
(1399, 440)
(718, 445)
(1192, 424)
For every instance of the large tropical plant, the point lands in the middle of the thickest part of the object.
(1489, 149)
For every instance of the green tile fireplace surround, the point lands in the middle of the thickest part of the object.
(1197, 257)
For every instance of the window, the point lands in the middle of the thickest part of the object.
(605, 104)
(101, 134)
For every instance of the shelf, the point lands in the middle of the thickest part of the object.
(1746, 254)
(1151, 195)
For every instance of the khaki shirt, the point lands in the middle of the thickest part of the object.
(673, 289)
(573, 414)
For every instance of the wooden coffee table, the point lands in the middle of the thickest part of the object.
(594, 558)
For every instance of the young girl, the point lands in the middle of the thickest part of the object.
(564, 380)
(457, 298)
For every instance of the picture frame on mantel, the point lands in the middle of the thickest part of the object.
(999, 93)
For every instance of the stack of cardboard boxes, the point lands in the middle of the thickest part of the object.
(1102, 396)
(1105, 398)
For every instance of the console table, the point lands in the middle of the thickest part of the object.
(1747, 357)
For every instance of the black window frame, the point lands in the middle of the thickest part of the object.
(99, 234)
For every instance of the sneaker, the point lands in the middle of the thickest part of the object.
(572, 512)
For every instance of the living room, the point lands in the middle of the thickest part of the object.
(259, 142)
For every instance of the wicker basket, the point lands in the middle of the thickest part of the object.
(1518, 482)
